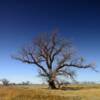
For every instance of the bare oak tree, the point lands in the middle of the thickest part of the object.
(54, 56)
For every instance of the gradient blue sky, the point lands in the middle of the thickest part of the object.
(20, 20)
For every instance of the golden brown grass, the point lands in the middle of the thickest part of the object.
(83, 92)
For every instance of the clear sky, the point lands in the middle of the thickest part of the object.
(20, 20)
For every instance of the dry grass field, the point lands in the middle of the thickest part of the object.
(37, 92)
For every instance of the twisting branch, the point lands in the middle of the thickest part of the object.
(77, 64)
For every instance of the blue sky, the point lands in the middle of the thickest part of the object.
(20, 20)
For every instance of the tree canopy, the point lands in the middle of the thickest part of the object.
(54, 56)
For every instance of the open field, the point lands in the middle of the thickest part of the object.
(37, 92)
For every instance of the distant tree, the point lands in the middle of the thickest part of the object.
(26, 83)
(5, 82)
(53, 56)
(12, 83)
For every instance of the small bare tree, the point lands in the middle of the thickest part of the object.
(5, 82)
(53, 55)
(26, 83)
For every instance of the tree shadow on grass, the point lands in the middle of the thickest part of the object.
(70, 88)
(65, 88)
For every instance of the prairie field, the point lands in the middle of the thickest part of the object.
(39, 92)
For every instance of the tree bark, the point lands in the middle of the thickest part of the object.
(52, 84)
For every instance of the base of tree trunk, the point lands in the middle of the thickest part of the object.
(52, 85)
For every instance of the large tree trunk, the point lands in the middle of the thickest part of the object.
(52, 84)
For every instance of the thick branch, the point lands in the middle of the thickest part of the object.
(33, 61)
(75, 65)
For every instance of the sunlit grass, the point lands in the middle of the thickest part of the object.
(83, 92)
